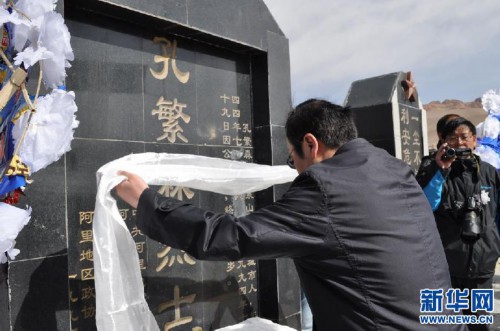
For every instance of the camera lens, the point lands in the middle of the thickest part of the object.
(448, 153)
(471, 226)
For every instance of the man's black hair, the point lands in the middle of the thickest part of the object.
(442, 123)
(331, 124)
(453, 124)
(440, 126)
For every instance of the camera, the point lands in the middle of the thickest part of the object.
(471, 223)
(461, 153)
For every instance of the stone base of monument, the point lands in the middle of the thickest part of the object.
(256, 323)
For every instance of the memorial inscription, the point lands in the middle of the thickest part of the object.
(156, 81)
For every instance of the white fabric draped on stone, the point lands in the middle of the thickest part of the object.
(120, 302)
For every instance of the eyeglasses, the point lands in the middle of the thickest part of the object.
(290, 161)
(456, 139)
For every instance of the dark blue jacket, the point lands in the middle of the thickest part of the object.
(357, 225)
(448, 190)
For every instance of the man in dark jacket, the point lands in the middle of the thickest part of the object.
(463, 193)
(441, 123)
(355, 221)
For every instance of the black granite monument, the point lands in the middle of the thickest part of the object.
(208, 77)
(388, 113)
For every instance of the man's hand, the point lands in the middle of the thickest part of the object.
(443, 164)
(130, 190)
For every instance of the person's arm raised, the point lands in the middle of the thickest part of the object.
(130, 190)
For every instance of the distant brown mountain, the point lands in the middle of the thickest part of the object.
(473, 111)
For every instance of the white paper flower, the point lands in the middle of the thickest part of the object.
(484, 197)
(491, 102)
(13, 17)
(491, 127)
(489, 155)
(31, 56)
(479, 130)
(35, 11)
(51, 130)
(7, 249)
(52, 48)
(12, 221)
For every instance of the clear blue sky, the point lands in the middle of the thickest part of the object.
(451, 46)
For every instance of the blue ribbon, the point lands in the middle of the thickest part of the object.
(10, 183)
(490, 142)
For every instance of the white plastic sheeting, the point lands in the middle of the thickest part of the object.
(120, 303)
(257, 323)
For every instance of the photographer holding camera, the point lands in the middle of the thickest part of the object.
(463, 193)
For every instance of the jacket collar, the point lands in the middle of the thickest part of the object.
(355, 144)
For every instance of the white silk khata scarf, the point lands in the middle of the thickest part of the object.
(120, 302)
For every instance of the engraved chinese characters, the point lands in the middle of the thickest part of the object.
(245, 271)
(150, 81)
(197, 97)
(411, 137)
(410, 122)
(234, 133)
(186, 88)
(82, 297)
(82, 294)
(198, 102)
(169, 112)
(166, 45)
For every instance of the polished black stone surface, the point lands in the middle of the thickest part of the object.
(4, 297)
(39, 294)
(260, 90)
(288, 287)
(244, 21)
(279, 79)
(215, 16)
(45, 234)
(264, 154)
(107, 79)
(230, 292)
(224, 104)
(279, 145)
(372, 91)
(386, 119)
(386, 144)
(374, 122)
(83, 162)
(86, 157)
(130, 77)
(172, 9)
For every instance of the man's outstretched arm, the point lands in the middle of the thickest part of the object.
(130, 190)
(295, 225)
